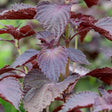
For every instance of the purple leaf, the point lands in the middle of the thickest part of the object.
(40, 91)
(52, 62)
(103, 103)
(10, 90)
(77, 56)
(12, 74)
(79, 100)
(104, 27)
(24, 58)
(19, 11)
(16, 32)
(104, 74)
(54, 17)
(7, 71)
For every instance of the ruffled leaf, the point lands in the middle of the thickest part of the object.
(19, 11)
(79, 100)
(40, 91)
(18, 33)
(24, 58)
(90, 3)
(104, 74)
(10, 90)
(54, 17)
(77, 56)
(52, 62)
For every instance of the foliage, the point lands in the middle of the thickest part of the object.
(38, 77)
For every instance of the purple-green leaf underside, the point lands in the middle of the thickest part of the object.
(10, 90)
(40, 91)
(79, 100)
(24, 58)
(54, 17)
(52, 62)
(77, 56)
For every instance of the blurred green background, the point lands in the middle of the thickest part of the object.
(92, 46)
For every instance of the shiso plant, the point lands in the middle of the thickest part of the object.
(38, 77)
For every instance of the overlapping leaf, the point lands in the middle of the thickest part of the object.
(40, 91)
(77, 56)
(91, 2)
(52, 62)
(18, 33)
(19, 11)
(54, 17)
(79, 100)
(24, 58)
(7, 71)
(103, 103)
(104, 74)
(10, 90)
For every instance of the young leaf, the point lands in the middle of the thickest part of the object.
(77, 56)
(103, 103)
(52, 62)
(1, 108)
(40, 91)
(54, 17)
(46, 38)
(24, 58)
(104, 74)
(18, 33)
(10, 90)
(104, 27)
(79, 100)
(19, 11)
(90, 3)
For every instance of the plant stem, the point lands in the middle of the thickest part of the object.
(76, 46)
(79, 33)
(61, 76)
(67, 45)
(17, 46)
(47, 109)
(19, 51)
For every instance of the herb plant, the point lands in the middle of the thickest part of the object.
(38, 77)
